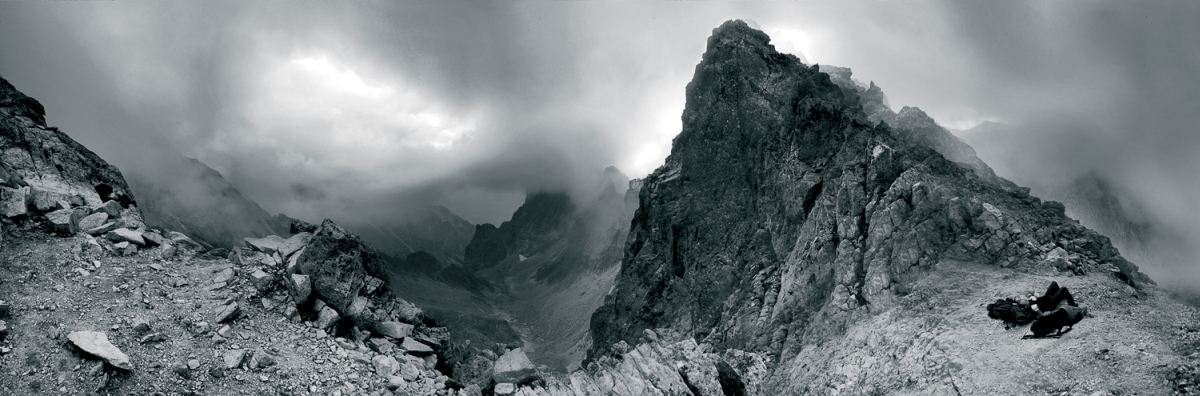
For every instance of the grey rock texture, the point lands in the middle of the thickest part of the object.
(784, 213)
(48, 160)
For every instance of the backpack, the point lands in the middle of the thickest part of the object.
(1011, 312)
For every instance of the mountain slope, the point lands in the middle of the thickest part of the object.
(432, 229)
(784, 216)
(192, 198)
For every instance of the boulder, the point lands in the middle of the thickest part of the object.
(394, 330)
(262, 280)
(268, 244)
(234, 358)
(417, 348)
(292, 268)
(125, 248)
(94, 221)
(228, 312)
(357, 306)
(385, 365)
(153, 239)
(293, 244)
(62, 221)
(126, 235)
(223, 276)
(181, 240)
(338, 263)
(43, 201)
(513, 367)
(409, 371)
(292, 313)
(327, 318)
(381, 345)
(300, 288)
(505, 388)
(111, 208)
(96, 343)
(16, 202)
(102, 229)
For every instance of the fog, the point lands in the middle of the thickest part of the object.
(356, 110)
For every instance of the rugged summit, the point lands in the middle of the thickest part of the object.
(784, 214)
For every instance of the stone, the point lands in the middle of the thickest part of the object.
(268, 244)
(5, 309)
(126, 248)
(409, 371)
(111, 208)
(293, 244)
(417, 348)
(223, 276)
(181, 370)
(153, 239)
(96, 343)
(126, 235)
(513, 367)
(153, 337)
(62, 221)
(16, 203)
(338, 263)
(183, 241)
(193, 364)
(93, 221)
(372, 284)
(385, 365)
(42, 201)
(394, 329)
(228, 312)
(380, 345)
(327, 317)
(262, 281)
(505, 388)
(357, 306)
(168, 251)
(3, 330)
(102, 229)
(300, 288)
(292, 268)
(260, 359)
(141, 327)
(396, 382)
(234, 358)
(292, 313)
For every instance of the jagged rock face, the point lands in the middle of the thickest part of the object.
(190, 197)
(536, 226)
(49, 160)
(783, 212)
(339, 264)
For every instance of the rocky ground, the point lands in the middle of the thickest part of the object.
(164, 313)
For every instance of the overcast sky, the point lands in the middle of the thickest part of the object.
(344, 110)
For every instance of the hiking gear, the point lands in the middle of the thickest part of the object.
(1012, 312)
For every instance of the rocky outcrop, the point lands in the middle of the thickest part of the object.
(784, 213)
(57, 170)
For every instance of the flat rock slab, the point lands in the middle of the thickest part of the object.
(513, 367)
(417, 348)
(126, 235)
(102, 229)
(293, 244)
(228, 312)
(96, 343)
(94, 221)
(234, 358)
